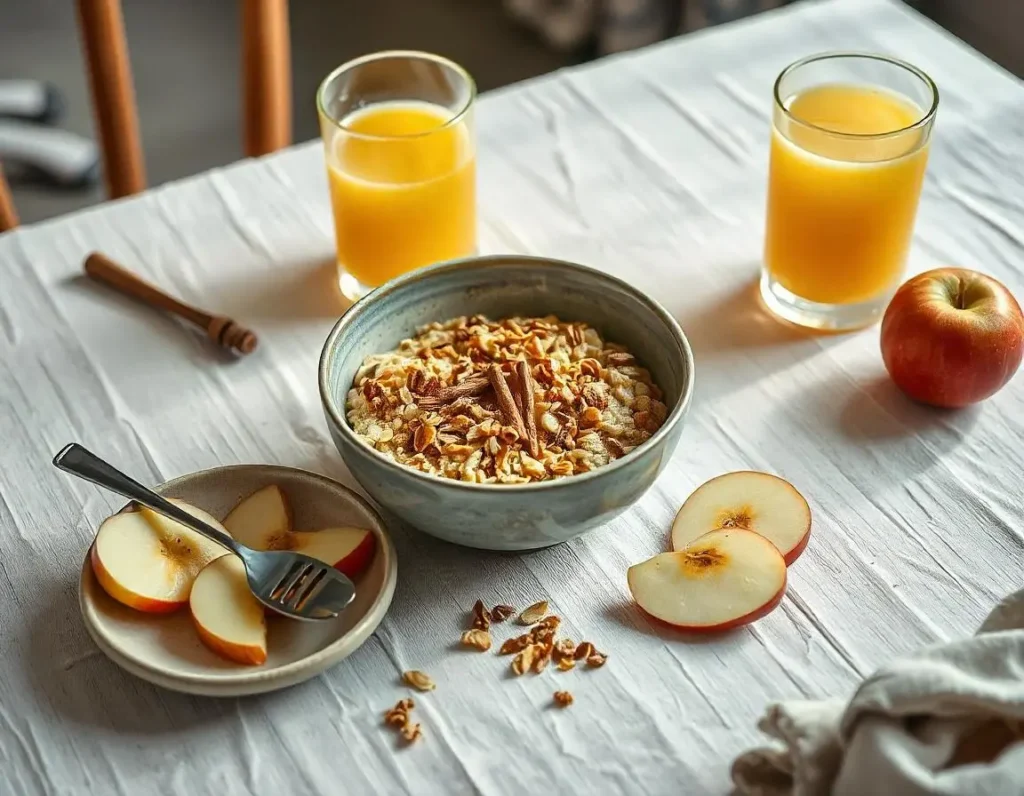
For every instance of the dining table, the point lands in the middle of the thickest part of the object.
(652, 166)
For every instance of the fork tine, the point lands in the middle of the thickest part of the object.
(278, 576)
(311, 589)
(290, 581)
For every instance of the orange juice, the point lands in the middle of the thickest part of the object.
(403, 189)
(841, 207)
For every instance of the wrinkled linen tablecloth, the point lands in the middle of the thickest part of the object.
(944, 720)
(650, 165)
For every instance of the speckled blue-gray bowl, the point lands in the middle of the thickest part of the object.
(494, 516)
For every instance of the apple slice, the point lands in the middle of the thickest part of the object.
(753, 501)
(348, 550)
(148, 562)
(722, 580)
(228, 618)
(263, 522)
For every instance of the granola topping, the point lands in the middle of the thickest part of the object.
(506, 402)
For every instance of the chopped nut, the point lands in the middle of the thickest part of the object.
(541, 657)
(584, 650)
(515, 644)
(456, 451)
(590, 417)
(500, 613)
(534, 613)
(565, 664)
(419, 680)
(479, 639)
(620, 358)
(596, 660)
(549, 423)
(563, 699)
(543, 635)
(411, 732)
(424, 437)
(562, 468)
(551, 622)
(531, 466)
(524, 660)
(481, 616)
(615, 448)
(564, 648)
(399, 714)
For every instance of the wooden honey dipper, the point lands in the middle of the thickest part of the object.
(222, 330)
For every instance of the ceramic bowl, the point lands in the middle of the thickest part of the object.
(165, 650)
(492, 516)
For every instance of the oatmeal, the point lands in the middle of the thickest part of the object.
(510, 402)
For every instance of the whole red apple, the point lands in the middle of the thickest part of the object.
(952, 337)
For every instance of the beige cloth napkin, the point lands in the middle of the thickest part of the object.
(946, 720)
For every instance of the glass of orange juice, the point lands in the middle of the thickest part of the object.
(850, 138)
(398, 136)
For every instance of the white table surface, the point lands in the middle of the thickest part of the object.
(652, 166)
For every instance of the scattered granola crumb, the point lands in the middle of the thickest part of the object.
(479, 639)
(421, 681)
(500, 613)
(399, 717)
(524, 660)
(481, 616)
(564, 649)
(584, 650)
(541, 658)
(399, 714)
(516, 644)
(534, 613)
(563, 699)
(550, 622)
(566, 664)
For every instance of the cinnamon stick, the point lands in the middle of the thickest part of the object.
(525, 384)
(506, 402)
(474, 385)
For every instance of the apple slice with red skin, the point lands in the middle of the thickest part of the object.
(149, 562)
(724, 579)
(749, 500)
(263, 521)
(348, 550)
(227, 617)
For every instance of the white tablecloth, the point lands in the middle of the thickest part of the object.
(652, 166)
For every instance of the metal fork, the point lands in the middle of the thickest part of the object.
(292, 584)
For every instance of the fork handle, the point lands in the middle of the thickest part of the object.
(88, 466)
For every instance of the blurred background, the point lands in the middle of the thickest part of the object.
(186, 57)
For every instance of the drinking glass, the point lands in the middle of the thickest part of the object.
(850, 140)
(399, 142)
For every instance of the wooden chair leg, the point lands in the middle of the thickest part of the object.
(110, 78)
(266, 69)
(8, 215)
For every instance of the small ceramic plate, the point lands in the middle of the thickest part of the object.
(165, 650)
